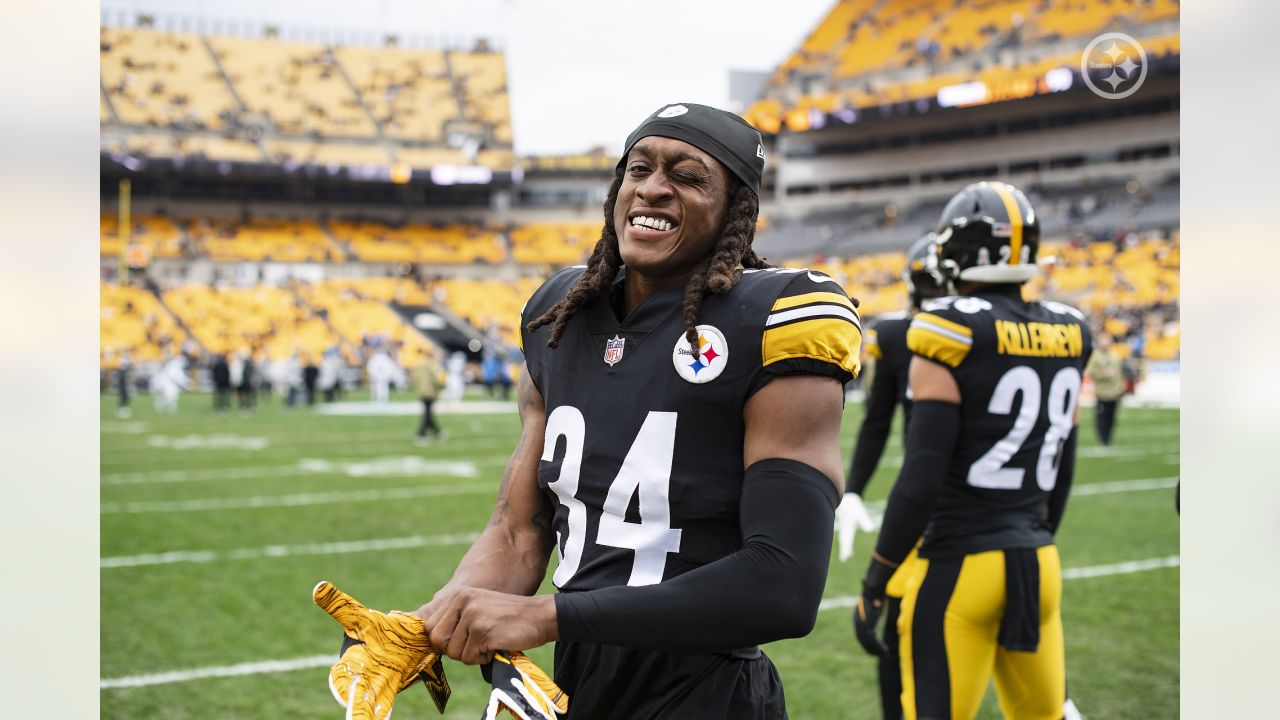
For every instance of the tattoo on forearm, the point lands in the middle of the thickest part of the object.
(500, 512)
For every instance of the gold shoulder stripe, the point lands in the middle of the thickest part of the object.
(825, 339)
(871, 342)
(784, 303)
(937, 344)
(943, 325)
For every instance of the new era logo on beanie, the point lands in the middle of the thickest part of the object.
(721, 134)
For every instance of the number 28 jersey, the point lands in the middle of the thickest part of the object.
(1018, 365)
(643, 456)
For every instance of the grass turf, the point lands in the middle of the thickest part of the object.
(283, 496)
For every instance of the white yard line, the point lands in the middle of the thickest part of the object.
(314, 661)
(303, 499)
(284, 551)
(1080, 573)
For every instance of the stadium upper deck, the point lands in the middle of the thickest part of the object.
(265, 100)
(871, 53)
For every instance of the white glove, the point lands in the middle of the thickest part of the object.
(849, 514)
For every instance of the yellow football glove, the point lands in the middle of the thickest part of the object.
(382, 654)
(521, 688)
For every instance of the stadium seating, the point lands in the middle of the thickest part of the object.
(489, 305)
(853, 58)
(296, 85)
(419, 243)
(163, 79)
(132, 319)
(185, 145)
(157, 233)
(482, 80)
(264, 239)
(408, 91)
(357, 314)
(262, 318)
(554, 243)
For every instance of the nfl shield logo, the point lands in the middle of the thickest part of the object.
(613, 350)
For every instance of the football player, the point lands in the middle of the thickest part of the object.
(679, 448)
(886, 344)
(989, 459)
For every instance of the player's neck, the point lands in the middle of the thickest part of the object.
(637, 287)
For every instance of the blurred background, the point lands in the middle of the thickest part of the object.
(305, 205)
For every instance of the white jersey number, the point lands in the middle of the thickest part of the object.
(989, 471)
(646, 470)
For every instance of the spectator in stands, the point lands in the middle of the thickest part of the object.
(221, 373)
(425, 380)
(1106, 370)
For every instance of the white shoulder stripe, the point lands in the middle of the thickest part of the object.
(923, 323)
(821, 309)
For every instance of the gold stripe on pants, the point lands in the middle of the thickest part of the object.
(951, 613)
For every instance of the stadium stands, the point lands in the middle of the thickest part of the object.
(492, 306)
(296, 85)
(157, 233)
(408, 91)
(261, 99)
(163, 79)
(131, 319)
(263, 318)
(264, 239)
(419, 243)
(866, 54)
(554, 243)
(358, 312)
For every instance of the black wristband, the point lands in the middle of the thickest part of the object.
(768, 590)
(877, 578)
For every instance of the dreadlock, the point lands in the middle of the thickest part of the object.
(716, 274)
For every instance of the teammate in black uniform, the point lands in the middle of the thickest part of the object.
(990, 456)
(679, 449)
(886, 343)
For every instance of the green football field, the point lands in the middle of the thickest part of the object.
(216, 527)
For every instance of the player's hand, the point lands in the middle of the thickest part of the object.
(471, 624)
(866, 614)
(382, 654)
(851, 515)
(521, 688)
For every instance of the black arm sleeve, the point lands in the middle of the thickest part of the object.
(881, 402)
(1066, 473)
(768, 590)
(931, 440)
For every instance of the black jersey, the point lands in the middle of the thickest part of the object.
(1018, 365)
(643, 457)
(886, 343)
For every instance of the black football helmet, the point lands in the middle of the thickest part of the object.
(921, 273)
(988, 233)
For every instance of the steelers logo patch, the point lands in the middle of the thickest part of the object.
(713, 355)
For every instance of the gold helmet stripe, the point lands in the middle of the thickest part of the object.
(1015, 221)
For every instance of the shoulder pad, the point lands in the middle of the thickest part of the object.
(1061, 309)
(941, 335)
(812, 318)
